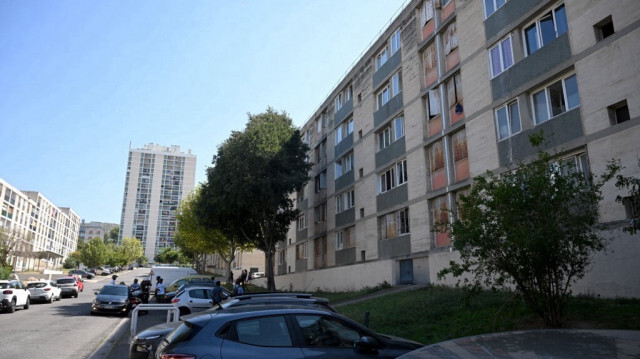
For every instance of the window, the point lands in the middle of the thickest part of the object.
(393, 177)
(382, 57)
(604, 28)
(348, 94)
(395, 42)
(321, 181)
(430, 60)
(501, 57)
(439, 217)
(389, 90)
(345, 201)
(266, 332)
(490, 6)
(555, 99)
(450, 38)
(545, 29)
(460, 151)
(391, 132)
(619, 113)
(344, 164)
(394, 224)
(433, 103)
(454, 91)
(346, 238)
(508, 120)
(301, 251)
(343, 130)
(282, 256)
(302, 221)
(338, 102)
(426, 12)
(436, 156)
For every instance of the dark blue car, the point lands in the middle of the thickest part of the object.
(268, 331)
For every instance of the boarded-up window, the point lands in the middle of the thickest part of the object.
(433, 103)
(460, 145)
(436, 156)
(450, 39)
(426, 12)
(440, 211)
(454, 90)
(429, 57)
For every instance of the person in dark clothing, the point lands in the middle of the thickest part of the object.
(216, 294)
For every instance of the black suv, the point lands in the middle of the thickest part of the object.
(147, 340)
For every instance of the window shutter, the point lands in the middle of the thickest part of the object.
(434, 102)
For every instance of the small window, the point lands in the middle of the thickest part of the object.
(619, 113)
(265, 332)
(545, 29)
(501, 57)
(490, 6)
(508, 120)
(604, 28)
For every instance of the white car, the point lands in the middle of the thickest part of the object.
(13, 294)
(193, 297)
(44, 290)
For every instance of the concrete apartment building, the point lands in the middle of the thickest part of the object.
(47, 234)
(450, 90)
(158, 178)
(90, 230)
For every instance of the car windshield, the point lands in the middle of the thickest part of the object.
(112, 290)
(4, 285)
(66, 281)
(36, 285)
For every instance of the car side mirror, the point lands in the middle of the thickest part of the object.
(96, 293)
(368, 344)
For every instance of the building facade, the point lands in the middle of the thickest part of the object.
(45, 234)
(90, 230)
(450, 90)
(157, 179)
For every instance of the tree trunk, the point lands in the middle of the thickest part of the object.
(229, 273)
(271, 283)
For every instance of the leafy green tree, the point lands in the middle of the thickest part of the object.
(95, 253)
(10, 245)
(168, 255)
(631, 200)
(532, 228)
(131, 249)
(69, 263)
(112, 236)
(197, 241)
(142, 260)
(246, 195)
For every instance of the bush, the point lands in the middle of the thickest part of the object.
(5, 272)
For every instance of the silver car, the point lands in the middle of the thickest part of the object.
(68, 286)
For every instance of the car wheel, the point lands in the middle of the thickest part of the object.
(75, 295)
(53, 297)
(12, 306)
(184, 311)
(26, 305)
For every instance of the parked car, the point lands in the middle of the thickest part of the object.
(112, 298)
(79, 280)
(69, 286)
(44, 290)
(13, 294)
(105, 271)
(255, 275)
(278, 331)
(170, 295)
(82, 273)
(147, 340)
(195, 297)
(192, 279)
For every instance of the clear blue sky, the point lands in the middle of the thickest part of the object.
(80, 80)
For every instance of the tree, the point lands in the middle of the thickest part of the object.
(632, 199)
(112, 236)
(532, 228)
(11, 244)
(246, 195)
(131, 250)
(95, 253)
(197, 241)
(169, 255)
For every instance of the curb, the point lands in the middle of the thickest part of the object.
(111, 341)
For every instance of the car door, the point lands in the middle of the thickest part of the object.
(21, 293)
(328, 337)
(266, 337)
(199, 298)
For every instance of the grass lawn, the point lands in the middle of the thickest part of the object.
(439, 313)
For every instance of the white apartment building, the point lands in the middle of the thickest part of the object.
(158, 178)
(90, 230)
(451, 89)
(47, 233)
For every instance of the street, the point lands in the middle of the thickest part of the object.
(63, 329)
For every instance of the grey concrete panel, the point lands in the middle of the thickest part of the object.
(346, 217)
(301, 265)
(390, 199)
(303, 205)
(345, 180)
(394, 247)
(559, 130)
(389, 109)
(346, 256)
(531, 67)
(301, 235)
(510, 12)
(344, 145)
(394, 151)
(346, 110)
(386, 69)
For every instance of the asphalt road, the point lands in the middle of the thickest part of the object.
(63, 329)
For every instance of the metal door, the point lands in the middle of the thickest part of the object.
(406, 271)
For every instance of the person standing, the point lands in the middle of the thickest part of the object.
(113, 279)
(135, 286)
(216, 294)
(161, 288)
